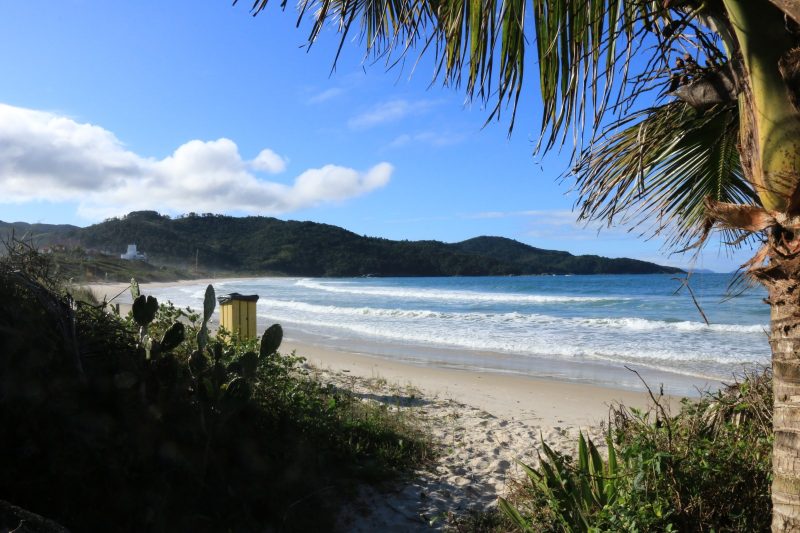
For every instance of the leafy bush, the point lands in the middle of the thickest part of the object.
(706, 469)
(573, 495)
(149, 422)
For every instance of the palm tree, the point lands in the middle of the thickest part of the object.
(685, 114)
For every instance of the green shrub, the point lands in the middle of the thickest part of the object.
(149, 422)
(707, 468)
(573, 494)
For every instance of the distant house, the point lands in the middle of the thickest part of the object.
(133, 254)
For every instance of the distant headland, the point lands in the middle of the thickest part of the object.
(269, 246)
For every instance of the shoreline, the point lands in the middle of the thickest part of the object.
(553, 400)
(480, 424)
(616, 375)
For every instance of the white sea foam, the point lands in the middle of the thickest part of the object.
(521, 319)
(646, 329)
(446, 295)
(534, 343)
(641, 324)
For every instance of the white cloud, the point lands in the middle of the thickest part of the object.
(555, 216)
(390, 111)
(44, 156)
(269, 161)
(551, 224)
(327, 94)
(436, 139)
(565, 226)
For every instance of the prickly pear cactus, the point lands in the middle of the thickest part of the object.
(271, 340)
(249, 364)
(235, 395)
(135, 289)
(197, 363)
(144, 310)
(209, 304)
(173, 337)
(217, 352)
(202, 338)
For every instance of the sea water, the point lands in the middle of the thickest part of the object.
(584, 328)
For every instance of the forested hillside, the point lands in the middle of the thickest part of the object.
(271, 246)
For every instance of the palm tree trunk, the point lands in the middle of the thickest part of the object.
(770, 122)
(782, 279)
(770, 154)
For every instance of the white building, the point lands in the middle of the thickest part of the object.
(133, 254)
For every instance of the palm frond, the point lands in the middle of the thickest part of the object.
(659, 165)
(584, 50)
(659, 162)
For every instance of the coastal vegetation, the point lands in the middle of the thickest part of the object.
(694, 115)
(685, 116)
(151, 417)
(707, 468)
(149, 422)
(264, 245)
(85, 266)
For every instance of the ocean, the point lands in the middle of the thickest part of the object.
(577, 328)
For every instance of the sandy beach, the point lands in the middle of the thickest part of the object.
(482, 422)
(547, 401)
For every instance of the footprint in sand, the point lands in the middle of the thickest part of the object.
(502, 466)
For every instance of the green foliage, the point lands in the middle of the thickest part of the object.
(707, 468)
(662, 164)
(216, 439)
(574, 495)
(92, 265)
(143, 312)
(83, 294)
(262, 244)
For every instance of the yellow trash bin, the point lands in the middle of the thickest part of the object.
(238, 314)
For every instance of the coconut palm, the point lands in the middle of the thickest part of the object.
(684, 114)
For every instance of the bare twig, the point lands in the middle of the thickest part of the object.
(685, 283)
(657, 403)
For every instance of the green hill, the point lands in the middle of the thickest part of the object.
(264, 245)
(41, 234)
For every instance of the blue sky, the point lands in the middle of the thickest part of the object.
(181, 106)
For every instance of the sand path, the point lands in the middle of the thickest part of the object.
(482, 423)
